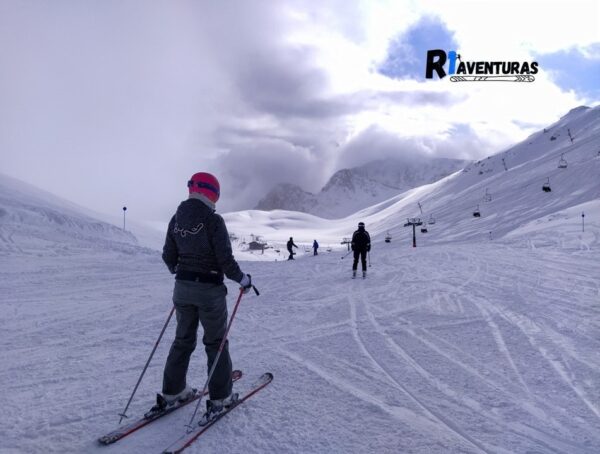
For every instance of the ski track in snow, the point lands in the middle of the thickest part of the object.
(478, 348)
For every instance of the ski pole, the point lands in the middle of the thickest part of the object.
(214, 365)
(346, 255)
(124, 413)
(369, 259)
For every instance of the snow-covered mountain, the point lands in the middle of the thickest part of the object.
(350, 190)
(506, 189)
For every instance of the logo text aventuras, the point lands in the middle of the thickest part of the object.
(513, 71)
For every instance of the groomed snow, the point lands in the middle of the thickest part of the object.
(485, 347)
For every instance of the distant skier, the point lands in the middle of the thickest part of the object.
(290, 243)
(315, 247)
(198, 251)
(361, 244)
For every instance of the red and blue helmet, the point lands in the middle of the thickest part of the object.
(205, 184)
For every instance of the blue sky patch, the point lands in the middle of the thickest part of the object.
(407, 52)
(572, 70)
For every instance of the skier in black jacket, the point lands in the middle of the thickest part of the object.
(290, 243)
(361, 244)
(198, 251)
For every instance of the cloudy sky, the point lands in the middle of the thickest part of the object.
(113, 102)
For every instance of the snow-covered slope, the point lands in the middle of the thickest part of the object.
(350, 190)
(457, 348)
(35, 222)
(505, 188)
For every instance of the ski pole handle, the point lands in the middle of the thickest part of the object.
(249, 286)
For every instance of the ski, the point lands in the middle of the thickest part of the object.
(128, 429)
(191, 436)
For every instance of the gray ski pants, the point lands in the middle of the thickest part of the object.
(205, 303)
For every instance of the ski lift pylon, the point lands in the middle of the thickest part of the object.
(546, 187)
(562, 163)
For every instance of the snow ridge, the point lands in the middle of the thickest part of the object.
(349, 190)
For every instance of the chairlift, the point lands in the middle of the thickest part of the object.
(477, 213)
(487, 197)
(388, 237)
(546, 187)
(562, 163)
(431, 219)
(424, 228)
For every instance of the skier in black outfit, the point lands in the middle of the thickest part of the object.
(198, 252)
(361, 244)
(290, 243)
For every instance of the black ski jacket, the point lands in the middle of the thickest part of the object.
(290, 243)
(197, 244)
(361, 240)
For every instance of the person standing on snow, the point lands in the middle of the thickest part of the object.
(315, 247)
(198, 252)
(290, 243)
(361, 244)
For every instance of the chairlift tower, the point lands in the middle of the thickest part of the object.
(346, 241)
(414, 222)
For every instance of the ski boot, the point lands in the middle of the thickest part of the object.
(364, 274)
(215, 407)
(353, 274)
(164, 401)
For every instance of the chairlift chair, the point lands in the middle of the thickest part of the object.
(424, 229)
(546, 187)
(388, 238)
(476, 213)
(562, 163)
(431, 220)
(487, 197)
